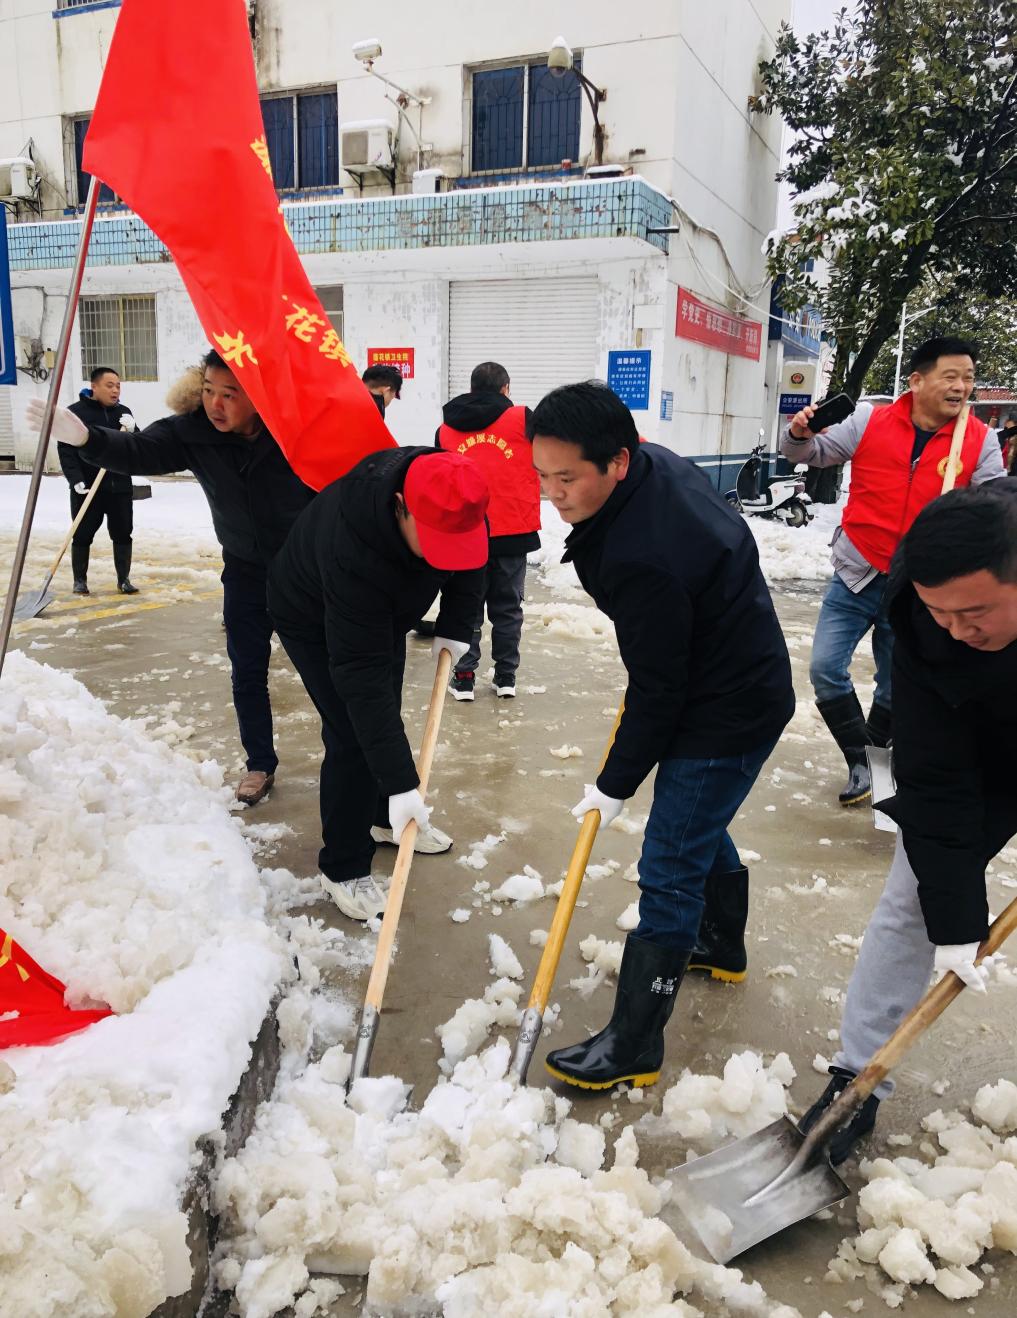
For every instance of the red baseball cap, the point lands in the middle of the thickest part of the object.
(448, 497)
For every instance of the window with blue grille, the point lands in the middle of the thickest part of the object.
(524, 118)
(302, 132)
(82, 177)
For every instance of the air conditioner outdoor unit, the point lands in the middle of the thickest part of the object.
(19, 178)
(366, 144)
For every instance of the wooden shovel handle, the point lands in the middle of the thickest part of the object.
(93, 491)
(401, 870)
(551, 955)
(956, 444)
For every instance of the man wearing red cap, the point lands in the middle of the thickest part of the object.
(361, 565)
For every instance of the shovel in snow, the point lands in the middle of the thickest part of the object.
(762, 1184)
(32, 603)
(370, 1014)
(533, 1017)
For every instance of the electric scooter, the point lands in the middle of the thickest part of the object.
(784, 498)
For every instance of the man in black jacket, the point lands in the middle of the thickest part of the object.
(952, 596)
(709, 692)
(254, 497)
(361, 564)
(100, 406)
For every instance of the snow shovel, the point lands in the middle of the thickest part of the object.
(762, 1184)
(533, 1017)
(32, 603)
(370, 1014)
(880, 757)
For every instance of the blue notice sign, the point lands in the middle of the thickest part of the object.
(667, 404)
(792, 403)
(8, 370)
(628, 374)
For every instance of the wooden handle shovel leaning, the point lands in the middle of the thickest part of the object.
(880, 758)
(370, 1014)
(757, 1186)
(31, 604)
(533, 1017)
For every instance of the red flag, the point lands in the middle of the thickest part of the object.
(32, 1009)
(178, 133)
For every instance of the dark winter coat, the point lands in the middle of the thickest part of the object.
(954, 732)
(676, 570)
(92, 413)
(469, 414)
(252, 491)
(347, 580)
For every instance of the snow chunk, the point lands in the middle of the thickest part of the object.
(503, 960)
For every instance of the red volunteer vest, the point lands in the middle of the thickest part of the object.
(885, 495)
(506, 459)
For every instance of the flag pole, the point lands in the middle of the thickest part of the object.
(47, 421)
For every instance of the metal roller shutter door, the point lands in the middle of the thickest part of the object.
(543, 331)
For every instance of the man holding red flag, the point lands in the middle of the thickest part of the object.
(194, 164)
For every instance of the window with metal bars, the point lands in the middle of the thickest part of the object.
(302, 132)
(523, 117)
(81, 4)
(119, 331)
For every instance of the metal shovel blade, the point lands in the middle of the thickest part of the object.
(883, 784)
(713, 1193)
(31, 604)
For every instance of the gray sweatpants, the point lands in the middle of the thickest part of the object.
(503, 596)
(893, 970)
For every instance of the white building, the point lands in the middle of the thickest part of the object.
(525, 255)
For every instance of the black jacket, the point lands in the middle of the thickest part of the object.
(346, 580)
(252, 491)
(469, 414)
(954, 732)
(676, 569)
(91, 413)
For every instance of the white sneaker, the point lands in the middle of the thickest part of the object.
(430, 841)
(505, 692)
(360, 899)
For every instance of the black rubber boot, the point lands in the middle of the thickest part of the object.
(79, 567)
(631, 1045)
(720, 947)
(844, 717)
(878, 725)
(857, 1128)
(122, 563)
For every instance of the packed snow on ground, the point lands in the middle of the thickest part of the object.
(929, 1220)
(123, 873)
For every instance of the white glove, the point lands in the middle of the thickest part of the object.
(128, 423)
(403, 807)
(960, 958)
(609, 806)
(456, 648)
(81, 488)
(67, 429)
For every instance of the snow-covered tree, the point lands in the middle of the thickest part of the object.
(904, 162)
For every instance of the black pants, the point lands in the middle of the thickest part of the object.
(118, 510)
(249, 646)
(350, 798)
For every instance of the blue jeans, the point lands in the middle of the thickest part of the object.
(843, 620)
(686, 840)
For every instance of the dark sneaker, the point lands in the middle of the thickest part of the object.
(505, 687)
(424, 629)
(843, 1142)
(462, 685)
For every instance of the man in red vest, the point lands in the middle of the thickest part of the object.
(486, 427)
(898, 458)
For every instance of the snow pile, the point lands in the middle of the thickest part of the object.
(525, 887)
(165, 922)
(748, 1097)
(472, 1022)
(931, 1222)
(491, 1199)
(476, 857)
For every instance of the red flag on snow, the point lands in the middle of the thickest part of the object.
(32, 1009)
(178, 133)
